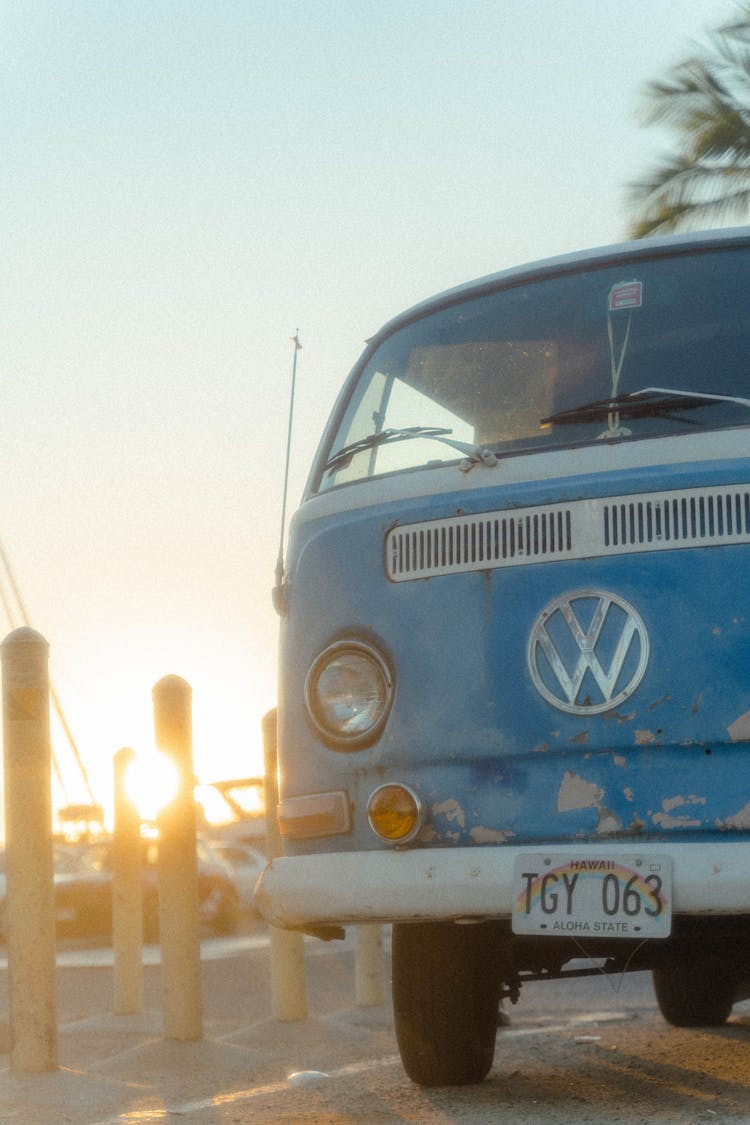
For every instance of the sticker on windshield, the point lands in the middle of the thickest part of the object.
(626, 295)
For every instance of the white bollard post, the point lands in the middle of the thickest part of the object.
(29, 906)
(288, 990)
(127, 894)
(369, 965)
(179, 926)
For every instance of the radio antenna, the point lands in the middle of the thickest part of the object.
(279, 599)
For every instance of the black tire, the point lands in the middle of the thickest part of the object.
(446, 988)
(695, 993)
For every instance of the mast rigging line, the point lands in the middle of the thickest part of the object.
(278, 595)
(12, 616)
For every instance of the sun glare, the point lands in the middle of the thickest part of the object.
(151, 782)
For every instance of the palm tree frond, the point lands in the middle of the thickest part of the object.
(706, 100)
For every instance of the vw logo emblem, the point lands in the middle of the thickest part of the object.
(587, 652)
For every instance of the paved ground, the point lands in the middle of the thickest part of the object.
(122, 1069)
(588, 1052)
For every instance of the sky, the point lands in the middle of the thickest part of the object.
(187, 184)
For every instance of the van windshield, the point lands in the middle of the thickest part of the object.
(552, 363)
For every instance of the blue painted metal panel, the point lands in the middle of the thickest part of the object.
(492, 759)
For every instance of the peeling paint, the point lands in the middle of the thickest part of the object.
(620, 760)
(740, 819)
(664, 820)
(452, 811)
(628, 793)
(670, 803)
(618, 717)
(481, 835)
(608, 821)
(577, 793)
(739, 730)
(581, 737)
(540, 749)
(644, 737)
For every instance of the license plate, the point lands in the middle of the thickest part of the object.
(592, 896)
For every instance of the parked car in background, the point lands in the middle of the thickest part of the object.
(66, 862)
(233, 809)
(247, 864)
(83, 893)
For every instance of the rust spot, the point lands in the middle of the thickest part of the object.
(618, 717)
(581, 737)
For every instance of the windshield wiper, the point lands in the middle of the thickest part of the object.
(649, 402)
(475, 454)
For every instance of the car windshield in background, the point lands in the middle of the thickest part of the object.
(552, 363)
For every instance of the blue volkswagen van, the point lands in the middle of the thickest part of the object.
(514, 703)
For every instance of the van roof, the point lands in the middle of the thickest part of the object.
(622, 251)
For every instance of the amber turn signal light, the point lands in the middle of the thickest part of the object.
(395, 813)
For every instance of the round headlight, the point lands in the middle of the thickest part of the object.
(348, 693)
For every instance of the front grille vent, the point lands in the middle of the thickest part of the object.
(655, 521)
(680, 518)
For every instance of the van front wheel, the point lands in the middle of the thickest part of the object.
(446, 991)
(695, 993)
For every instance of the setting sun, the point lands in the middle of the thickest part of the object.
(151, 782)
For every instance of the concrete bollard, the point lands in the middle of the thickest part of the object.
(288, 991)
(179, 925)
(29, 906)
(127, 893)
(369, 965)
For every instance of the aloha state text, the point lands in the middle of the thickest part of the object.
(571, 926)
